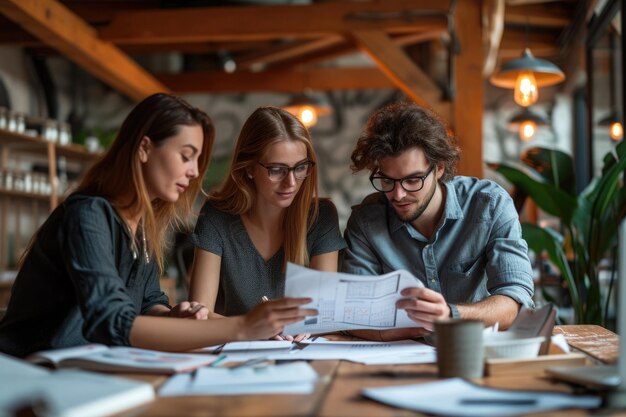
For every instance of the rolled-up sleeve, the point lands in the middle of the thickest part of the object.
(89, 256)
(508, 268)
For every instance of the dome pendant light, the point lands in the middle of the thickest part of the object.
(525, 75)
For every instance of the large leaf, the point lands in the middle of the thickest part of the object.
(540, 240)
(549, 198)
(555, 166)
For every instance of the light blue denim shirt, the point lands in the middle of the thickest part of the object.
(476, 251)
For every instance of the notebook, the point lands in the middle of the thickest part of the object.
(611, 377)
(98, 357)
(66, 393)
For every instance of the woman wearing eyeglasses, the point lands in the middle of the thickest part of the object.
(266, 214)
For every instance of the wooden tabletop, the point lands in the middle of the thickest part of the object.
(337, 393)
(595, 341)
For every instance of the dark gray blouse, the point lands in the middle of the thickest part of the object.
(80, 282)
(244, 275)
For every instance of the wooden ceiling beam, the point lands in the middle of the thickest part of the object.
(400, 69)
(549, 16)
(348, 47)
(287, 81)
(204, 24)
(541, 43)
(287, 52)
(58, 27)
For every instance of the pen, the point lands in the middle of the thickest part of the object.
(498, 401)
(263, 300)
(218, 360)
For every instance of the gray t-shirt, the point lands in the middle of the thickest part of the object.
(244, 275)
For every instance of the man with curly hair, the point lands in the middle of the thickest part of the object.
(459, 235)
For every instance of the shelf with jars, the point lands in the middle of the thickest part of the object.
(38, 165)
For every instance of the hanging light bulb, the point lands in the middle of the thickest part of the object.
(616, 131)
(526, 92)
(527, 130)
(307, 115)
(527, 122)
(525, 75)
(307, 109)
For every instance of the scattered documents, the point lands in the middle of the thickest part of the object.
(291, 378)
(66, 393)
(347, 301)
(122, 359)
(457, 397)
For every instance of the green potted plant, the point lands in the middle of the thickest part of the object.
(589, 220)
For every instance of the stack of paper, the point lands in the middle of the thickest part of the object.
(457, 397)
(67, 393)
(291, 378)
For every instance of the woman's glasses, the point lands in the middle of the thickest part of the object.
(279, 172)
(410, 184)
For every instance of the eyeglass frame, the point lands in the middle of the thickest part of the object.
(376, 174)
(289, 169)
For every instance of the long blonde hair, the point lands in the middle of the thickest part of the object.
(118, 174)
(265, 127)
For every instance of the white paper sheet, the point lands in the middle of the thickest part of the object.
(347, 301)
(457, 397)
(292, 378)
(404, 351)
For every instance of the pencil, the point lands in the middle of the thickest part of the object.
(218, 360)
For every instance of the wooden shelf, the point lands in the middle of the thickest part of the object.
(36, 144)
(24, 195)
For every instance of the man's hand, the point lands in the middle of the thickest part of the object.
(424, 306)
(190, 310)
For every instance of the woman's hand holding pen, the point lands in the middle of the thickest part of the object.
(296, 338)
(270, 317)
(190, 310)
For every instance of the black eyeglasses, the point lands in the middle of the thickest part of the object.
(410, 184)
(277, 173)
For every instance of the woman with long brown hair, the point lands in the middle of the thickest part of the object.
(266, 213)
(91, 272)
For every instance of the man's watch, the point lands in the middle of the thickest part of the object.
(454, 311)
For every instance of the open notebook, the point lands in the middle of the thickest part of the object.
(611, 377)
(66, 393)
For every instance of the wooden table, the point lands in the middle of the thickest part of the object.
(338, 391)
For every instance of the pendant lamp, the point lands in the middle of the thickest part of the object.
(525, 75)
(307, 108)
(527, 122)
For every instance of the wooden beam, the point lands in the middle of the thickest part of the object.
(403, 72)
(469, 88)
(541, 43)
(58, 27)
(286, 52)
(204, 24)
(288, 81)
(493, 11)
(348, 47)
(554, 16)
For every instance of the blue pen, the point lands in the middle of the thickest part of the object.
(218, 360)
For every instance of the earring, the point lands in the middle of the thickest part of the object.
(249, 175)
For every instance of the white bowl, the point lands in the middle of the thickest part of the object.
(509, 345)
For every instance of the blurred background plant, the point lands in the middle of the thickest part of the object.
(588, 221)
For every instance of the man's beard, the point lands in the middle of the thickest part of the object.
(419, 210)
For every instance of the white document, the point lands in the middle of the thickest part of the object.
(122, 359)
(457, 397)
(347, 301)
(67, 393)
(292, 378)
(403, 351)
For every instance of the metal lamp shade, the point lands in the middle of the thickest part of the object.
(545, 72)
(527, 115)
